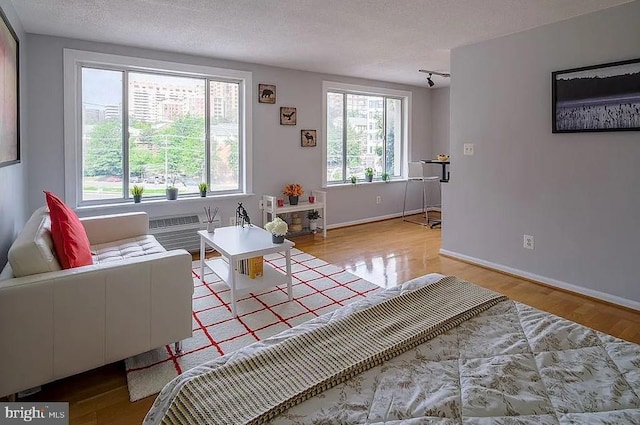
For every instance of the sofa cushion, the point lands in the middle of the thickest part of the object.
(126, 248)
(33, 252)
(69, 237)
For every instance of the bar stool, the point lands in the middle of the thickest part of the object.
(418, 174)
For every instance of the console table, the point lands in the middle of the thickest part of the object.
(270, 208)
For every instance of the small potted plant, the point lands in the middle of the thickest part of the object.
(172, 190)
(203, 187)
(353, 180)
(385, 177)
(278, 228)
(368, 174)
(136, 192)
(313, 217)
(293, 191)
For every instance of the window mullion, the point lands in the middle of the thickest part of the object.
(384, 135)
(344, 137)
(207, 131)
(125, 134)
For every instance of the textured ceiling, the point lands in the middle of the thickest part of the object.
(385, 40)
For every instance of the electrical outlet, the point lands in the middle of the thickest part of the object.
(232, 221)
(468, 148)
(378, 199)
(528, 241)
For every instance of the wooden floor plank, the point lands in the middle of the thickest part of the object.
(386, 253)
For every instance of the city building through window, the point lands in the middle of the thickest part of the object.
(154, 124)
(364, 128)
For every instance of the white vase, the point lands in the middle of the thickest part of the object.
(211, 227)
(313, 225)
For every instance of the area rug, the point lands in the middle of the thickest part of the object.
(318, 288)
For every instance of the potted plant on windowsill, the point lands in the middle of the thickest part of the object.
(353, 180)
(368, 174)
(385, 177)
(278, 229)
(203, 187)
(313, 217)
(136, 192)
(172, 190)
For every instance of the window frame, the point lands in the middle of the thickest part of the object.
(403, 95)
(75, 60)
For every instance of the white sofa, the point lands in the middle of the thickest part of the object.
(55, 323)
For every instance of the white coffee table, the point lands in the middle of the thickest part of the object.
(237, 243)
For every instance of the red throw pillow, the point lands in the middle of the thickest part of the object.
(68, 234)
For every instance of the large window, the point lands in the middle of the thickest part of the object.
(154, 124)
(365, 128)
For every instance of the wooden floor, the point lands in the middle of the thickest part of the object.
(386, 253)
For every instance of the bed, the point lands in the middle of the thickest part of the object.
(508, 364)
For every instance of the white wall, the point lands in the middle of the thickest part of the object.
(577, 194)
(13, 179)
(278, 157)
(440, 121)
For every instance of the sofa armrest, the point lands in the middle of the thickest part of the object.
(109, 228)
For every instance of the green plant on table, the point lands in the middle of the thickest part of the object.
(203, 187)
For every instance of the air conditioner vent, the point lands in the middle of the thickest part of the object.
(179, 231)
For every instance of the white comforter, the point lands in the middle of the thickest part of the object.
(511, 364)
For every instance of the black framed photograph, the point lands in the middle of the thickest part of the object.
(266, 93)
(308, 138)
(288, 115)
(9, 102)
(602, 97)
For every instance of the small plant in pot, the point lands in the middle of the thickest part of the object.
(136, 192)
(203, 187)
(385, 177)
(368, 174)
(172, 190)
(278, 229)
(293, 191)
(353, 180)
(313, 217)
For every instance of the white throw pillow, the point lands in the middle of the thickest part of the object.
(32, 252)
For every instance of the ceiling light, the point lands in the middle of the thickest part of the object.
(429, 80)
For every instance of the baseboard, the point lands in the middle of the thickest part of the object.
(602, 296)
(372, 219)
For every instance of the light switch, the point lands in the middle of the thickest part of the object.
(468, 148)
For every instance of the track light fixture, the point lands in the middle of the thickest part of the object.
(431, 73)
(430, 81)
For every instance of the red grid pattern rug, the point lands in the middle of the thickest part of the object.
(318, 288)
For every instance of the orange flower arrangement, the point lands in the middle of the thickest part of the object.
(293, 190)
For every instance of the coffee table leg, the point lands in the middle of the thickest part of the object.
(289, 277)
(233, 288)
(202, 252)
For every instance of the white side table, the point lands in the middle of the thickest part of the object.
(237, 243)
(270, 208)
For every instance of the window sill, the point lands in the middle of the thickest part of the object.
(362, 183)
(130, 206)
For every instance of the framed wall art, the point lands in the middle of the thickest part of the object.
(308, 138)
(597, 98)
(266, 93)
(9, 101)
(288, 115)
